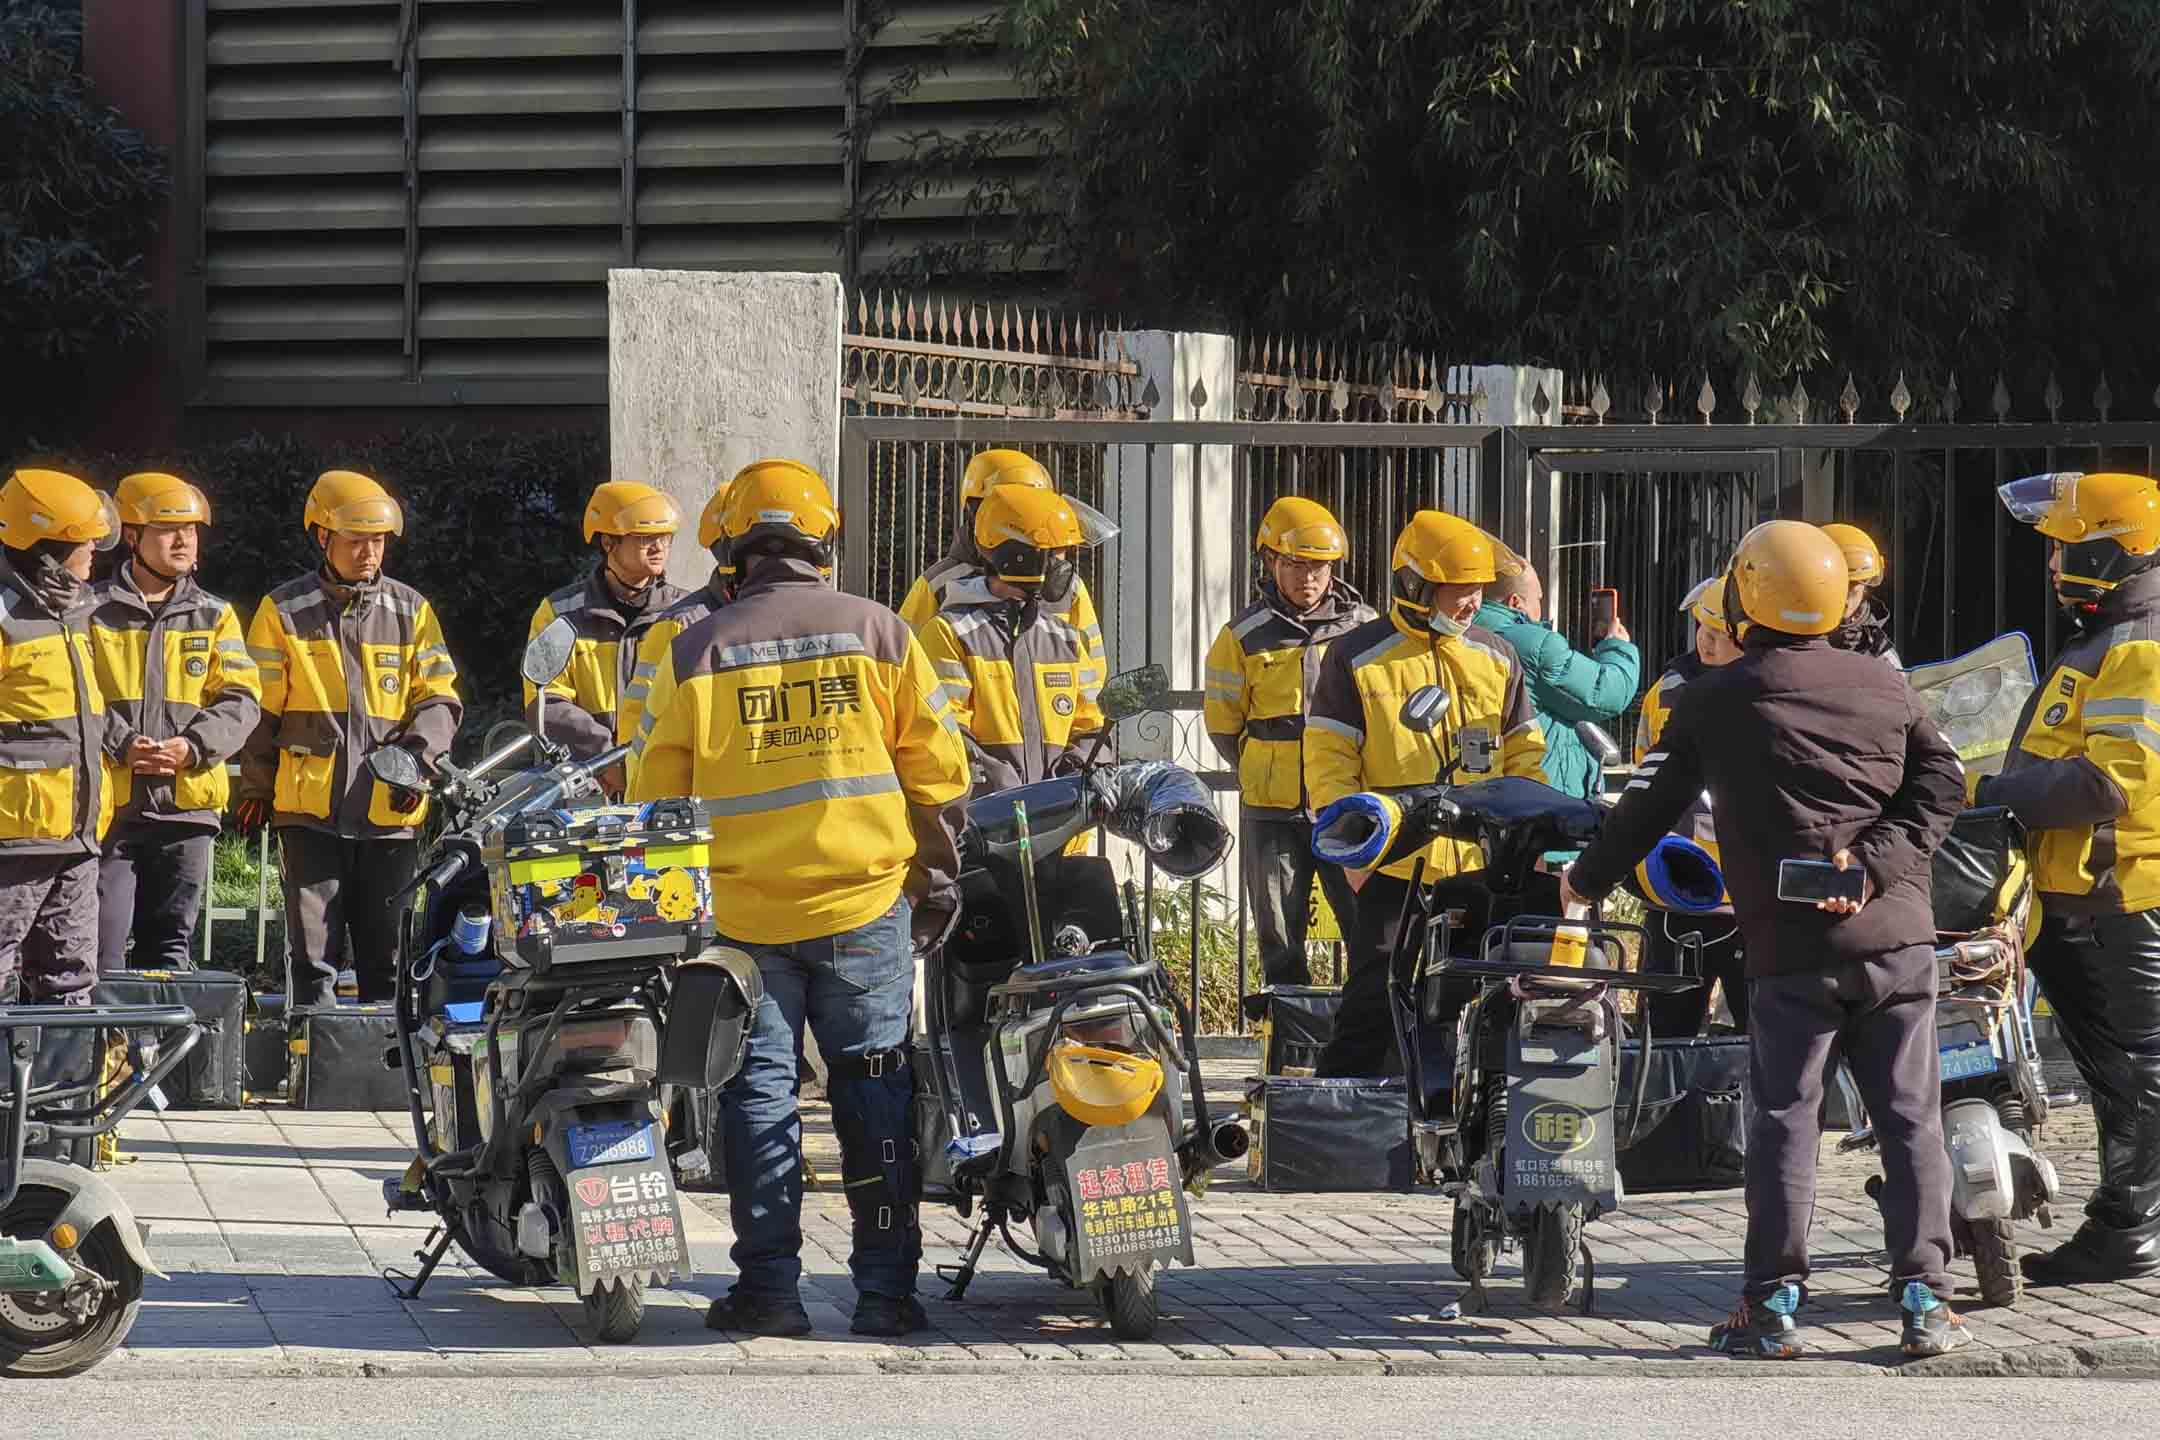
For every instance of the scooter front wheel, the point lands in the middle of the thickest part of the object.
(1995, 1260)
(616, 1309)
(1130, 1303)
(1551, 1251)
(54, 1333)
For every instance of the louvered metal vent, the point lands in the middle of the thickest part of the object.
(416, 202)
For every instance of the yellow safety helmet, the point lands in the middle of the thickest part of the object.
(38, 505)
(1033, 537)
(992, 468)
(708, 524)
(1863, 558)
(2108, 525)
(1445, 550)
(1099, 1086)
(349, 503)
(152, 497)
(783, 500)
(630, 507)
(1788, 576)
(1705, 604)
(1302, 530)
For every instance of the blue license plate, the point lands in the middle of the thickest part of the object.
(1964, 1062)
(609, 1144)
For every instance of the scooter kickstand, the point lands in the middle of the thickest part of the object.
(436, 1244)
(960, 1275)
(1589, 1279)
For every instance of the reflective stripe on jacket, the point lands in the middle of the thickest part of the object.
(583, 700)
(813, 725)
(345, 669)
(654, 643)
(2083, 770)
(177, 671)
(1261, 672)
(1355, 741)
(1022, 700)
(952, 582)
(54, 731)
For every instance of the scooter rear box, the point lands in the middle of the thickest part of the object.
(337, 1058)
(1314, 1135)
(608, 883)
(1294, 1024)
(1693, 1131)
(214, 1075)
(267, 1058)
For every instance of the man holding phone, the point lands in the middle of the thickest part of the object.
(1839, 768)
(1567, 686)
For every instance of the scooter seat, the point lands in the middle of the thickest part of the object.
(1068, 972)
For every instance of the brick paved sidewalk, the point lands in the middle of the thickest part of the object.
(271, 1224)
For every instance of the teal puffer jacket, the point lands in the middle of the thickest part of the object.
(1567, 687)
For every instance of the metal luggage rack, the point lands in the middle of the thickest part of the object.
(1499, 939)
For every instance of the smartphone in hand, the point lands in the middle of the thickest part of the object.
(1604, 610)
(1810, 882)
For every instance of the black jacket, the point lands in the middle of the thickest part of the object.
(1805, 750)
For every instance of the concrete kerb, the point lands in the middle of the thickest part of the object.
(628, 1365)
(2129, 1358)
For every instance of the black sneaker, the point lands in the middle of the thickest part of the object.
(1931, 1326)
(744, 1314)
(2097, 1255)
(889, 1317)
(1762, 1329)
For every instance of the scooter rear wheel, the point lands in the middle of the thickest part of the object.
(1995, 1259)
(1551, 1250)
(1130, 1303)
(38, 1337)
(616, 1309)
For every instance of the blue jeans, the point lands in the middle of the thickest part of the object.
(857, 991)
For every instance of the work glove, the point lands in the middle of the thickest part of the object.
(249, 817)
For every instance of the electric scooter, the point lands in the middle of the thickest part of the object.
(1052, 1078)
(1525, 1136)
(72, 1257)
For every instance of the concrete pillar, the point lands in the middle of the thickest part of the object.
(709, 370)
(1174, 557)
(1526, 507)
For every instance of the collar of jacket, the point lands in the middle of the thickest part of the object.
(185, 592)
(2136, 597)
(1512, 616)
(600, 595)
(26, 586)
(347, 594)
(780, 573)
(1340, 600)
(1760, 637)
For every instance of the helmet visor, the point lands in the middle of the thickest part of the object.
(2036, 498)
(1320, 540)
(1505, 562)
(368, 515)
(109, 517)
(1096, 528)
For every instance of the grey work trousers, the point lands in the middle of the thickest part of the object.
(1279, 869)
(1880, 1015)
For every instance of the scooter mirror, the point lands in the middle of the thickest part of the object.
(1602, 747)
(548, 653)
(396, 767)
(1135, 692)
(1425, 709)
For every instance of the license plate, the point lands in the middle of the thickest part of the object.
(609, 1144)
(1963, 1062)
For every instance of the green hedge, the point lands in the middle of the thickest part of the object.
(491, 526)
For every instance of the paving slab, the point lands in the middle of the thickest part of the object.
(271, 1224)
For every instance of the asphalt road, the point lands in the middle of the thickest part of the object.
(1752, 1400)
